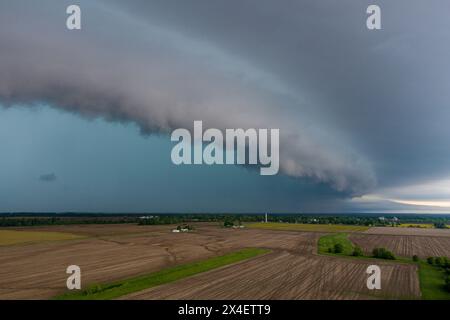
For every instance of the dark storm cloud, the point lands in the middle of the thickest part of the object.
(386, 91)
(125, 69)
(354, 106)
(47, 177)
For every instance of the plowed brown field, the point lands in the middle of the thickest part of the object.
(288, 275)
(113, 252)
(405, 246)
(409, 231)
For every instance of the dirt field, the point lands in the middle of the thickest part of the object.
(409, 231)
(113, 252)
(289, 275)
(307, 227)
(9, 237)
(406, 246)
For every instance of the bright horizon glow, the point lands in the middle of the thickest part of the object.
(440, 204)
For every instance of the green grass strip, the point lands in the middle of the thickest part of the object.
(120, 288)
(328, 241)
(432, 282)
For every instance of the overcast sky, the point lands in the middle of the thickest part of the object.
(85, 115)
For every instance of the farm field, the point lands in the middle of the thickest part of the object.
(307, 227)
(289, 275)
(409, 231)
(120, 288)
(416, 225)
(38, 271)
(10, 237)
(98, 230)
(111, 253)
(405, 246)
(329, 241)
(431, 283)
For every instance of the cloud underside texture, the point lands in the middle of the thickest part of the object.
(318, 86)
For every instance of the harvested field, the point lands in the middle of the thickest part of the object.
(96, 230)
(126, 286)
(38, 271)
(288, 275)
(307, 227)
(9, 237)
(114, 252)
(405, 246)
(409, 231)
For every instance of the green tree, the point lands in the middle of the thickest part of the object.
(357, 252)
(228, 223)
(447, 283)
(382, 253)
(388, 255)
(338, 248)
(438, 261)
(440, 225)
(376, 252)
(415, 258)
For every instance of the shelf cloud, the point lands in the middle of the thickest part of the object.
(125, 69)
(357, 110)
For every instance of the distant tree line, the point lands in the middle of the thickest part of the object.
(27, 219)
(383, 253)
(440, 225)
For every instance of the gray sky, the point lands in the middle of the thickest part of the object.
(363, 115)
